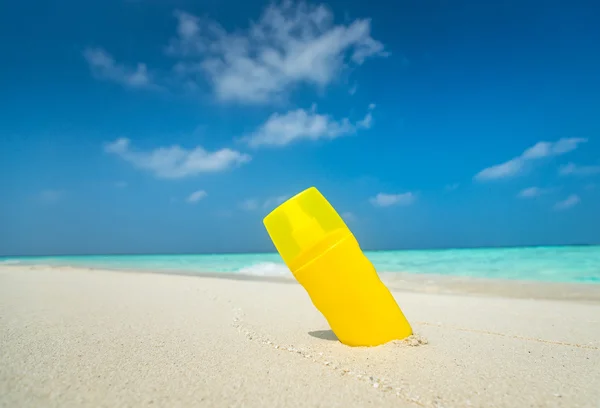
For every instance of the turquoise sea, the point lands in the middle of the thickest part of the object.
(554, 264)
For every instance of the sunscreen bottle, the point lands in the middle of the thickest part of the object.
(327, 261)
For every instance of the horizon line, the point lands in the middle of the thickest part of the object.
(275, 253)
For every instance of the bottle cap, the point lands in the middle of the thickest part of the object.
(301, 222)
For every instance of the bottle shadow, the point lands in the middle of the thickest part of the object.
(324, 335)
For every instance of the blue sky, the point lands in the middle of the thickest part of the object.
(148, 126)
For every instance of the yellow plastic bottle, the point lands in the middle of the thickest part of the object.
(327, 261)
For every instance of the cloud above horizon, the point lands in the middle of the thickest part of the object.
(283, 129)
(532, 192)
(175, 162)
(290, 44)
(387, 200)
(517, 165)
(196, 196)
(568, 202)
(104, 67)
(575, 170)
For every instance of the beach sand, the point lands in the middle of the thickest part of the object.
(78, 337)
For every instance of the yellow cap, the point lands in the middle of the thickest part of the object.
(301, 222)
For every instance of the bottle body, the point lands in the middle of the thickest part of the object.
(344, 286)
(326, 259)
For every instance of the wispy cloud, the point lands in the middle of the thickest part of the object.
(270, 203)
(532, 192)
(290, 44)
(121, 184)
(508, 169)
(282, 129)
(196, 196)
(517, 165)
(572, 169)
(567, 203)
(176, 162)
(104, 66)
(50, 196)
(386, 200)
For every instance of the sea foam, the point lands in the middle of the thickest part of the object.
(265, 269)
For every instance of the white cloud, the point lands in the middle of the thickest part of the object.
(121, 184)
(290, 44)
(504, 170)
(452, 187)
(386, 200)
(196, 196)
(103, 66)
(567, 203)
(270, 203)
(547, 149)
(540, 150)
(51, 196)
(532, 192)
(353, 89)
(575, 170)
(176, 162)
(282, 129)
(366, 122)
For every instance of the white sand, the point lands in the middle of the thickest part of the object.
(72, 337)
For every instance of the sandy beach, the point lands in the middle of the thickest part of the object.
(78, 337)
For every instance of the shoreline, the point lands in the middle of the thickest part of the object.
(399, 281)
(584, 245)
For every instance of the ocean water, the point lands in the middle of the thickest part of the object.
(554, 264)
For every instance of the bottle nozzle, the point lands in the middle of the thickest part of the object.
(300, 222)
